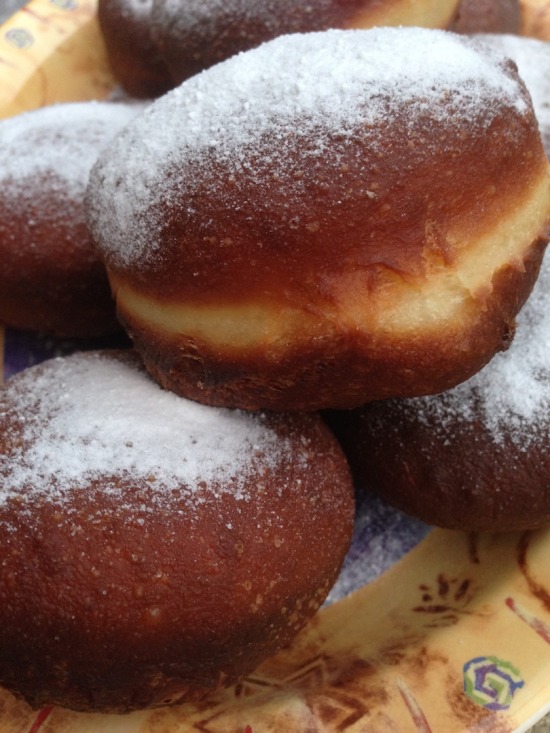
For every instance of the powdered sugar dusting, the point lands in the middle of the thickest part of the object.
(512, 394)
(64, 139)
(533, 61)
(92, 417)
(254, 107)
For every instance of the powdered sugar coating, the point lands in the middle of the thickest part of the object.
(64, 139)
(511, 395)
(93, 417)
(250, 110)
(533, 61)
(51, 278)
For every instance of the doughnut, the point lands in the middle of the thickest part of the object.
(154, 549)
(154, 45)
(532, 58)
(282, 232)
(476, 457)
(51, 279)
(134, 59)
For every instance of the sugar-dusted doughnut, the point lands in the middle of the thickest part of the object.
(153, 548)
(476, 457)
(328, 219)
(51, 279)
(155, 44)
(532, 57)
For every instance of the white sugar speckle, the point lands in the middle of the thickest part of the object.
(92, 417)
(63, 139)
(533, 61)
(511, 395)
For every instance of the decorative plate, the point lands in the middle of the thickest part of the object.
(426, 631)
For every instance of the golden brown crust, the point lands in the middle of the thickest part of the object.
(60, 288)
(423, 208)
(454, 476)
(363, 367)
(113, 599)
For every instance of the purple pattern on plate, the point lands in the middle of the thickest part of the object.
(23, 349)
(382, 535)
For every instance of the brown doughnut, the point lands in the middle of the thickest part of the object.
(133, 56)
(154, 45)
(281, 231)
(474, 458)
(154, 549)
(51, 279)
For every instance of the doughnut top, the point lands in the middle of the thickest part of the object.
(315, 93)
(511, 396)
(91, 417)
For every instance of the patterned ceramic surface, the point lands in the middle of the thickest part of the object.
(51, 51)
(426, 630)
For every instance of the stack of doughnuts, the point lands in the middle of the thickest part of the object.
(51, 278)
(301, 226)
(326, 220)
(154, 45)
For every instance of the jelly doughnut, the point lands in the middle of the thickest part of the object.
(475, 457)
(321, 221)
(51, 279)
(152, 548)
